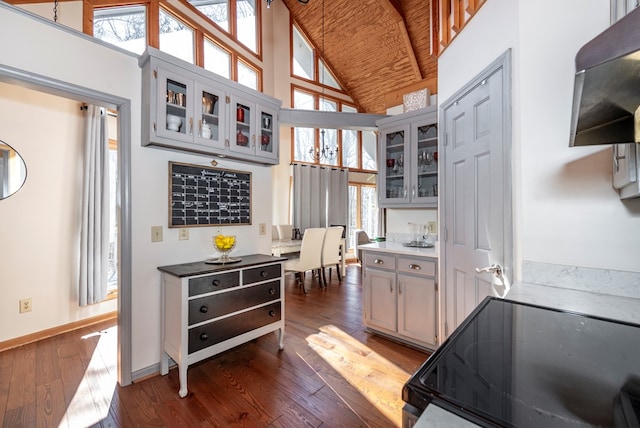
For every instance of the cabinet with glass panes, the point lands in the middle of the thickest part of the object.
(188, 108)
(408, 154)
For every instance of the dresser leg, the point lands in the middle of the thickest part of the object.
(182, 370)
(281, 337)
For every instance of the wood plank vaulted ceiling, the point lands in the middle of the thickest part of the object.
(373, 47)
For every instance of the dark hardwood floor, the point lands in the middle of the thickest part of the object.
(331, 373)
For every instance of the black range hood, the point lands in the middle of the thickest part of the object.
(606, 91)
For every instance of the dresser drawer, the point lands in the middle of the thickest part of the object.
(417, 266)
(262, 273)
(216, 305)
(208, 284)
(227, 328)
(379, 260)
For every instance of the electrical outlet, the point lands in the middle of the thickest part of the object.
(183, 234)
(156, 233)
(262, 229)
(433, 227)
(25, 305)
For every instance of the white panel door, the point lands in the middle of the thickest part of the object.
(475, 201)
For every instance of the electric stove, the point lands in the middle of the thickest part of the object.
(513, 364)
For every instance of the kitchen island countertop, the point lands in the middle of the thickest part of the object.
(398, 248)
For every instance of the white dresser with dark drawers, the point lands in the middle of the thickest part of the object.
(208, 309)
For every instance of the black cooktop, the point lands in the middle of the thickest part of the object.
(518, 365)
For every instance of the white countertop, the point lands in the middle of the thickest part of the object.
(601, 305)
(398, 248)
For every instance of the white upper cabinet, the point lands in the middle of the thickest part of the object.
(188, 108)
(408, 154)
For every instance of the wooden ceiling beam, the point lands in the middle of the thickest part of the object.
(395, 10)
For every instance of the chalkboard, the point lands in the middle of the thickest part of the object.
(206, 196)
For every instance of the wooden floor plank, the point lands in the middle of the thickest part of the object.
(22, 386)
(6, 365)
(331, 373)
(50, 405)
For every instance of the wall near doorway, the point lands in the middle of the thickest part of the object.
(40, 223)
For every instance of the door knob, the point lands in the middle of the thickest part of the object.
(495, 269)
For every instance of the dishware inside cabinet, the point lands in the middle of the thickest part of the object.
(427, 161)
(394, 161)
(210, 116)
(176, 106)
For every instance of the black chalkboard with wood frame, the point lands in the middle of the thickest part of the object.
(207, 196)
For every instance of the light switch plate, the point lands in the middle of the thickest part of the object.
(183, 234)
(156, 233)
(433, 227)
(262, 229)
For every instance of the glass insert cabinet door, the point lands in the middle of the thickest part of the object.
(395, 157)
(242, 137)
(426, 162)
(267, 137)
(211, 120)
(175, 107)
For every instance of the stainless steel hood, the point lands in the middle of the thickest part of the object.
(606, 91)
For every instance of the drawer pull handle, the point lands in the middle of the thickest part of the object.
(414, 267)
(204, 309)
(204, 336)
(272, 291)
(272, 313)
(378, 261)
(263, 273)
(216, 282)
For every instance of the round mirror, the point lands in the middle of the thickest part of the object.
(13, 171)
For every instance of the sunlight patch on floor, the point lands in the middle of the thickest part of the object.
(377, 379)
(92, 399)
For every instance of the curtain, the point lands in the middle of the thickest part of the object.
(320, 196)
(94, 234)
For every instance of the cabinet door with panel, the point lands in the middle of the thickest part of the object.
(417, 309)
(380, 299)
(254, 131)
(211, 119)
(395, 146)
(174, 109)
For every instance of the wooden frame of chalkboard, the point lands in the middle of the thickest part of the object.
(201, 196)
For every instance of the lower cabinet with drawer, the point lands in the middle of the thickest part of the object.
(208, 309)
(400, 297)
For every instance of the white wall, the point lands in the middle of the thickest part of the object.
(35, 48)
(565, 209)
(39, 225)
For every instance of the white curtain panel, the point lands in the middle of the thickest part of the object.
(320, 196)
(94, 235)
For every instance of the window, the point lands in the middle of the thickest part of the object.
(125, 27)
(303, 60)
(363, 211)
(247, 75)
(308, 144)
(369, 151)
(217, 59)
(176, 38)
(246, 27)
(246, 19)
(215, 10)
(326, 78)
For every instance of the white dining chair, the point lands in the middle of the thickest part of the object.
(310, 255)
(331, 252)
